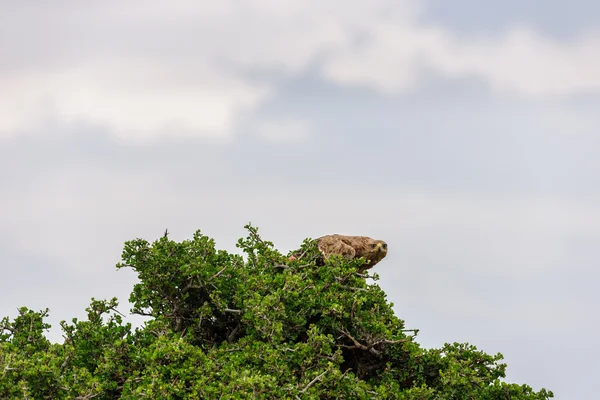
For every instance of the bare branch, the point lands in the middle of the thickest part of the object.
(415, 331)
(306, 288)
(355, 288)
(87, 396)
(232, 350)
(218, 273)
(117, 311)
(144, 313)
(302, 254)
(369, 347)
(318, 378)
(64, 364)
(189, 287)
(233, 334)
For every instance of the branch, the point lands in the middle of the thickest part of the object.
(357, 344)
(354, 288)
(189, 287)
(369, 347)
(301, 255)
(143, 313)
(117, 311)
(87, 396)
(232, 311)
(233, 334)
(8, 368)
(306, 288)
(415, 331)
(302, 266)
(318, 378)
(218, 273)
(232, 350)
(64, 364)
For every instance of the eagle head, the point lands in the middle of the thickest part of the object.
(376, 250)
(378, 247)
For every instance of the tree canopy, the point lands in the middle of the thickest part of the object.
(227, 326)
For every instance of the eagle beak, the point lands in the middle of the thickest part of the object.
(378, 246)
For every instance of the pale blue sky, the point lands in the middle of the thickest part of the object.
(465, 137)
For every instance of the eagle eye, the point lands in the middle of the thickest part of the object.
(373, 245)
(385, 245)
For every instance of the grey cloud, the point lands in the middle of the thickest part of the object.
(553, 17)
(451, 134)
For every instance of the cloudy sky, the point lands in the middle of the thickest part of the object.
(464, 134)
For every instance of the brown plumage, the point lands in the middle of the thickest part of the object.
(353, 247)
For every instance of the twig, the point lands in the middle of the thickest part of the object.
(354, 288)
(87, 396)
(233, 334)
(357, 344)
(318, 378)
(416, 331)
(232, 350)
(218, 273)
(306, 288)
(302, 266)
(189, 287)
(7, 368)
(370, 347)
(64, 364)
(302, 254)
(144, 313)
(232, 311)
(117, 311)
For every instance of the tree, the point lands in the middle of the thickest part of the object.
(260, 327)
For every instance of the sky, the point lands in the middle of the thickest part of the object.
(463, 134)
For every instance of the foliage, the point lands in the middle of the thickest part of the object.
(231, 327)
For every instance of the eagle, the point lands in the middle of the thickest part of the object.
(373, 250)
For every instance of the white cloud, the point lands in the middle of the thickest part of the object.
(135, 100)
(144, 69)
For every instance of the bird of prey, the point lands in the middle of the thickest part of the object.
(350, 247)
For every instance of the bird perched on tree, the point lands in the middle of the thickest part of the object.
(352, 247)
